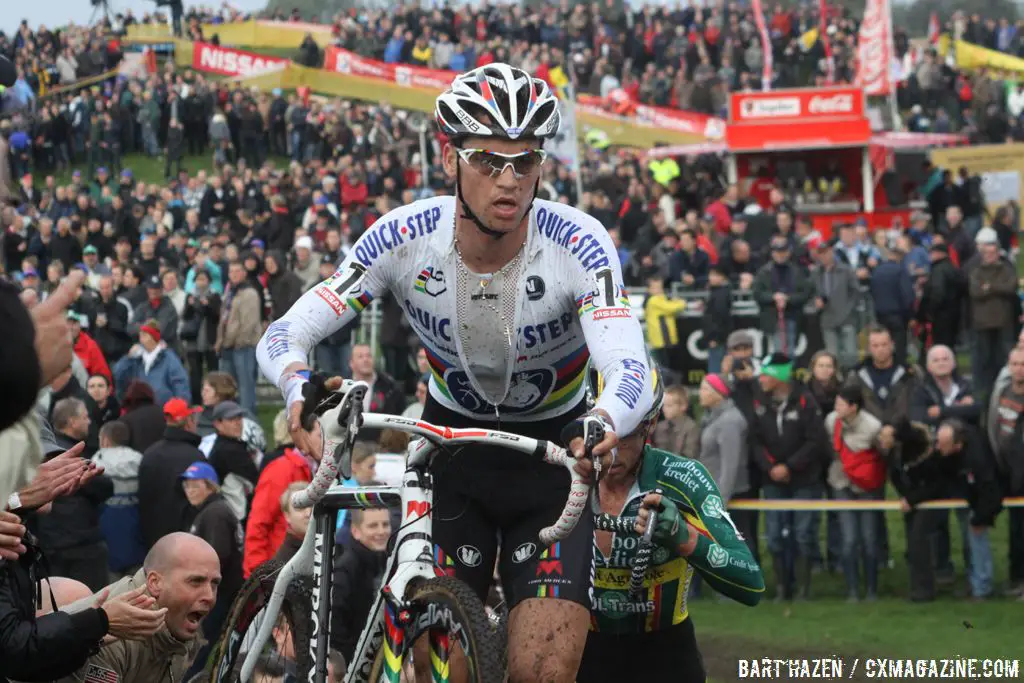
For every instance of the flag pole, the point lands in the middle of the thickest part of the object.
(570, 107)
(893, 87)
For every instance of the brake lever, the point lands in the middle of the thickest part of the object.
(350, 419)
(593, 434)
(317, 399)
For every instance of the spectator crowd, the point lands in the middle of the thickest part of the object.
(167, 285)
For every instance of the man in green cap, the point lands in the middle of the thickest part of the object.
(791, 451)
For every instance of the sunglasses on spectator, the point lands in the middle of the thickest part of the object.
(493, 164)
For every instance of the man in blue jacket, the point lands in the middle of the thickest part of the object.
(893, 294)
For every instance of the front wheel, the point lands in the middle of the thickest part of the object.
(448, 605)
(247, 613)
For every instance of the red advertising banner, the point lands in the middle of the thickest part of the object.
(811, 104)
(345, 62)
(659, 117)
(229, 62)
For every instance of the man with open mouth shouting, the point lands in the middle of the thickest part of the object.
(181, 573)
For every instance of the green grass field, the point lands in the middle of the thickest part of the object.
(151, 169)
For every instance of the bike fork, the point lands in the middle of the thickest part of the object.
(395, 645)
(440, 649)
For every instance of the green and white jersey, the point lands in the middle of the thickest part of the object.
(721, 556)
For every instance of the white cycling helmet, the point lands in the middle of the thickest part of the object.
(499, 101)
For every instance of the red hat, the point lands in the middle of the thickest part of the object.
(716, 382)
(179, 409)
(152, 329)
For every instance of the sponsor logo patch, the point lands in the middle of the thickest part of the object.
(524, 552)
(469, 555)
(718, 557)
(331, 299)
(603, 313)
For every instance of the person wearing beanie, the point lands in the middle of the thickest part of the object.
(723, 449)
(152, 361)
(992, 287)
(791, 451)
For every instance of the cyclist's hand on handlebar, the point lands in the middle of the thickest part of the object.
(304, 429)
(585, 466)
(671, 529)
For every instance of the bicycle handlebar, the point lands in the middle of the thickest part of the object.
(341, 423)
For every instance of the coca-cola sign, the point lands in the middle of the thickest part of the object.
(785, 106)
(841, 103)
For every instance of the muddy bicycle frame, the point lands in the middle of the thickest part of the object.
(412, 556)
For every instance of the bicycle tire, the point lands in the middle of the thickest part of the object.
(224, 665)
(485, 656)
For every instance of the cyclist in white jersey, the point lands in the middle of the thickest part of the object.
(513, 297)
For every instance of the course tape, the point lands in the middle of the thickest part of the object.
(819, 505)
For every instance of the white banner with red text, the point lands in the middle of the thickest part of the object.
(227, 61)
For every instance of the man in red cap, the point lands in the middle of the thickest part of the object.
(163, 507)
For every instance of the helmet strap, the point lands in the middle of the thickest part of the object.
(471, 215)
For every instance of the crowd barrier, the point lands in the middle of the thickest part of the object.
(861, 505)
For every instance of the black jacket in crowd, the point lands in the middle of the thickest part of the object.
(216, 524)
(718, 315)
(163, 508)
(231, 456)
(146, 425)
(894, 405)
(926, 394)
(920, 473)
(284, 286)
(49, 647)
(798, 440)
(74, 521)
(113, 338)
(357, 578)
(942, 298)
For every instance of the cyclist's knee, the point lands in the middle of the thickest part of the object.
(546, 640)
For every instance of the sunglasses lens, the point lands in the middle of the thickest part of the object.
(492, 164)
(528, 162)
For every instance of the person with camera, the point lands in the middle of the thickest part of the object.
(738, 368)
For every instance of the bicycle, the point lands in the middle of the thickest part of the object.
(416, 597)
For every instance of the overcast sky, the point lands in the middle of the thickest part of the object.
(58, 12)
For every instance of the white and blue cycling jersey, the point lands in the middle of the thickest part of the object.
(571, 311)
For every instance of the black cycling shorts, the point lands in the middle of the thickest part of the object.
(489, 500)
(670, 654)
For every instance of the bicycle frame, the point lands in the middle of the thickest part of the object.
(412, 556)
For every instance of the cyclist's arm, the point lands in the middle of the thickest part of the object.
(720, 555)
(614, 337)
(286, 345)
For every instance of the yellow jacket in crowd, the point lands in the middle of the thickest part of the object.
(661, 312)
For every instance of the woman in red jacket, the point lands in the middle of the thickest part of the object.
(88, 351)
